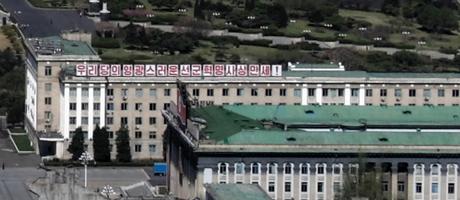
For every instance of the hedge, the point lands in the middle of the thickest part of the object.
(105, 43)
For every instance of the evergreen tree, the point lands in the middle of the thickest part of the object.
(101, 144)
(76, 147)
(123, 148)
(198, 9)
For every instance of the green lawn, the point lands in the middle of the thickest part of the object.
(22, 142)
(374, 18)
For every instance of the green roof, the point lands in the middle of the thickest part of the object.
(70, 47)
(236, 191)
(244, 124)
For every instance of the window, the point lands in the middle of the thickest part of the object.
(165, 106)
(268, 92)
(124, 120)
(418, 187)
(96, 120)
(255, 168)
(73, 92)
(124, 92)
(283, 92)
(139, 92)
(336, 169)
(47, 70)
(385, 186)
(398, 93)
(110, 106)
(96, 106)
(320, 169)
(138, 134)
(434, 188)
(311, 92)
(152, 135)
(152, 92)
(336, 187)
(72, 120)
(84, 106)
(304, 169)
(354, 92)
(210, 92)
(152, 148)
(325, 92)
(110, 135)
(84, 92)
(297, 93)
(222, 168)
(450, 169)
(353, 169)
(401, 186)
(412, 92)
(138, 120)
(109, 92)
(124, 106)
(84, 120)
(240, 92)
(287, 186)
(272, 168)
(271, 186)
(225, 92)
(47, 100)
(152, 106)
(455, 93)
(320, 187)
(137, 148)
(368, 92)
(97, 92)
(288, 168)
(304, 187)
(451, 188)
(418, 169)
(167, 92)
(253, 92)
(152, 120)
(138, 106)
(441, 92)
(239, 168)
(426, 93)
(196, 92)
(383, 92)
(109, 120)
(435, 170)
(48, 87)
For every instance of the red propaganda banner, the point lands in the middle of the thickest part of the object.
(104, 70)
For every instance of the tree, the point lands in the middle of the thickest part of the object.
(249, 5)
(391, 7)
(437, 20)
(76, 147)
(123, 147)
(101, 144)
(198, 9)
(278, 14)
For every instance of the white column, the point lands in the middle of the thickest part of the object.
(319, 94)
(102, 106)
(66, 111)
(304, 95)
(362, 95)
(78, 121)
(347, 95)
(90, 111)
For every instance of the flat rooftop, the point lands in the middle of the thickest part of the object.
(236, 191)
(56, 46)
(330, 125)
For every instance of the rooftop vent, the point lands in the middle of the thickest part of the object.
(309, 112)
(407, 112)
(335, 115)
(291, 139)
(455, 116)
(383, 139)
(74, 45)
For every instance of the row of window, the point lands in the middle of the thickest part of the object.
(111, 107)
(110, 121)
(137, 134)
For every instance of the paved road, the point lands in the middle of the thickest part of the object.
(12, 182)
(10, 158)
(36, 22)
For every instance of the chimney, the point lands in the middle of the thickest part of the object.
(104, 12)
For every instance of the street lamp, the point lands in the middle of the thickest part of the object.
(342, 35)
(306, 31)
(328, 25)
(85, 158)
(362, 28)
(251, 17)
(107, 190)
(377, 38)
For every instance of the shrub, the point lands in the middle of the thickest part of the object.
(448, 50)
(261, 42)
(105, 43)
(167, 19)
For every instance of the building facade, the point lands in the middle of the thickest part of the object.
(315, 152)
(61, 97)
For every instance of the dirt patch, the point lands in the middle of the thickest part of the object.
(4, 42)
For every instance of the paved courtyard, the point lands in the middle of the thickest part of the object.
(37, 22)
(10, 158)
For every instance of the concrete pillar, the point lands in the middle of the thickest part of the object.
(347, 95)
(362, 95)
(66, 111)
(90, 111)
(394, 181)
(319, 94)
(78, 121)
(304, 95)
(102, 106)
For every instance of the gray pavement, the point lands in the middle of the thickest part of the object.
(10, 158)
(37, 22)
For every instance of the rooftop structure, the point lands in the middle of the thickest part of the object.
(235, 191)
(316, 67)
(55, 45)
